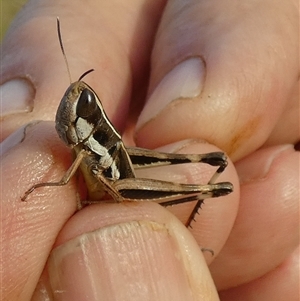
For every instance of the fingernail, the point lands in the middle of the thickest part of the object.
(130, 261)
(16, 96)
(12, 140)
(181, 146)
(263, 162)
(186, 80)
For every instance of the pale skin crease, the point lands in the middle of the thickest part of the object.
(259, 82)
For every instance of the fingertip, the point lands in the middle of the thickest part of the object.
(32, 55)
(237, 88)
(269, 207)
(215, 219)
(31, 155)
(139, 243)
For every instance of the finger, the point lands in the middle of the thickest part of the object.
(287, 128)
(220, 81)
(34, 75)
(214, 221)
(127, 251)
(28, 229)
(266, 228)
(280, 283)
(39, 157)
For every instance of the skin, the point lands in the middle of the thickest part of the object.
(251, 64)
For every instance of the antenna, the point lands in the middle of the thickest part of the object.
(85, 73)
(62, 48)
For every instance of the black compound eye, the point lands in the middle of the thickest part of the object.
(86, 104)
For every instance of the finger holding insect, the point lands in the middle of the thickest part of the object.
(38, 221)
(105, 246)
(34, 75)
(220, 81)
(29, 228)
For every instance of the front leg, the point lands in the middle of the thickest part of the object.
(64, 180)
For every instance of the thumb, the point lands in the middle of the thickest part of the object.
(217, 69)
(150, 257)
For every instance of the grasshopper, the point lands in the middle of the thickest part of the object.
(108, 166)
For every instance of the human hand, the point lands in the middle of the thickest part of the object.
(247, 63)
